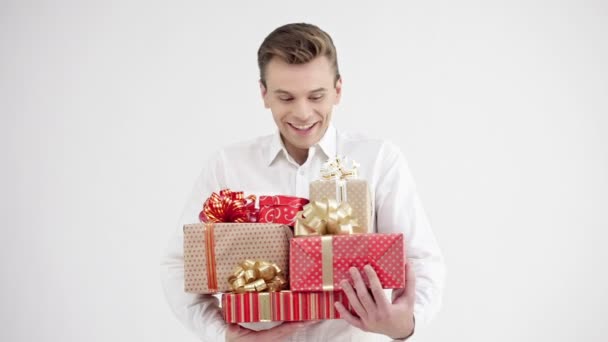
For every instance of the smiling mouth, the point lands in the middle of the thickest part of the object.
(302, 128)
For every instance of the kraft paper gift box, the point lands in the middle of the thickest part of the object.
(319, 263)
(280, 209)
(281, 306)
(357, 195)
(211, 251)
(339, 182)
(227, 238)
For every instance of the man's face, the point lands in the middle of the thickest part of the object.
(301, 98)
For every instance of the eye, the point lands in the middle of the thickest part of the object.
(316, 97)
(285, 99)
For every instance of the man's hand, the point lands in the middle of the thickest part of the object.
(376, 313)
(237, 333)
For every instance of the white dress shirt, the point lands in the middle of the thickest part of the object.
(263, 167)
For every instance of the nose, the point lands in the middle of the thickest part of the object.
(302, 111)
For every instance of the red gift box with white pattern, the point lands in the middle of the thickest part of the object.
(319, 263)
(280, 209)
(282, 306)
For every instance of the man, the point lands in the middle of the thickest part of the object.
(300, 83)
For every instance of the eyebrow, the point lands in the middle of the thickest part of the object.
(281, 91)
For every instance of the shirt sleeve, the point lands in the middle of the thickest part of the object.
(399, 210)
(199, 313)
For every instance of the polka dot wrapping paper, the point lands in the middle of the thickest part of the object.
(357, 196)
(206, 270)
(319, 263)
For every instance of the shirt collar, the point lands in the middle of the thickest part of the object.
(276, 146)
(327, 144)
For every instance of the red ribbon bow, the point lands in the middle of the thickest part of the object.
(229, 206)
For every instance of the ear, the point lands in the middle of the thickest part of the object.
(263, 92)
(338, 90)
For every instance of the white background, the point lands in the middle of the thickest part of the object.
(109, 110)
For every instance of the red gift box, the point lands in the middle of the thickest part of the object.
(281, 306)
(319, 263)
(280, 209)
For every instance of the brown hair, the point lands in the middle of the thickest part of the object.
(297, 43)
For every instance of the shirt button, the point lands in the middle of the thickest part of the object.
(300, 172)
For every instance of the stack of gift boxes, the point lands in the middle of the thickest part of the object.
(284, 261)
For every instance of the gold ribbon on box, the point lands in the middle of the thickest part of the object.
(326, 218)
(265, 307)
(257, 276)
(337, 169)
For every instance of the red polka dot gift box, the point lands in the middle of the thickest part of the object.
(319, 263)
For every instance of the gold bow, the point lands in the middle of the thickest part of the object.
(257, 276)
(326, 217)
(336, 168)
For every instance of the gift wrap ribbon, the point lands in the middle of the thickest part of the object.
(336, 169)
(227, 206)
(327, 218)
(257, 276)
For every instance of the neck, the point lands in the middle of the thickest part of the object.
(298, 154)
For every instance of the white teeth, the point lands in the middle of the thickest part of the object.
(302, 127)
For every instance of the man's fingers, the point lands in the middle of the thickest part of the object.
(353, 299)
(410, 285)
(362, 292)
(232, 331)
(379, 295)
(396, 294)
(347, 316)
